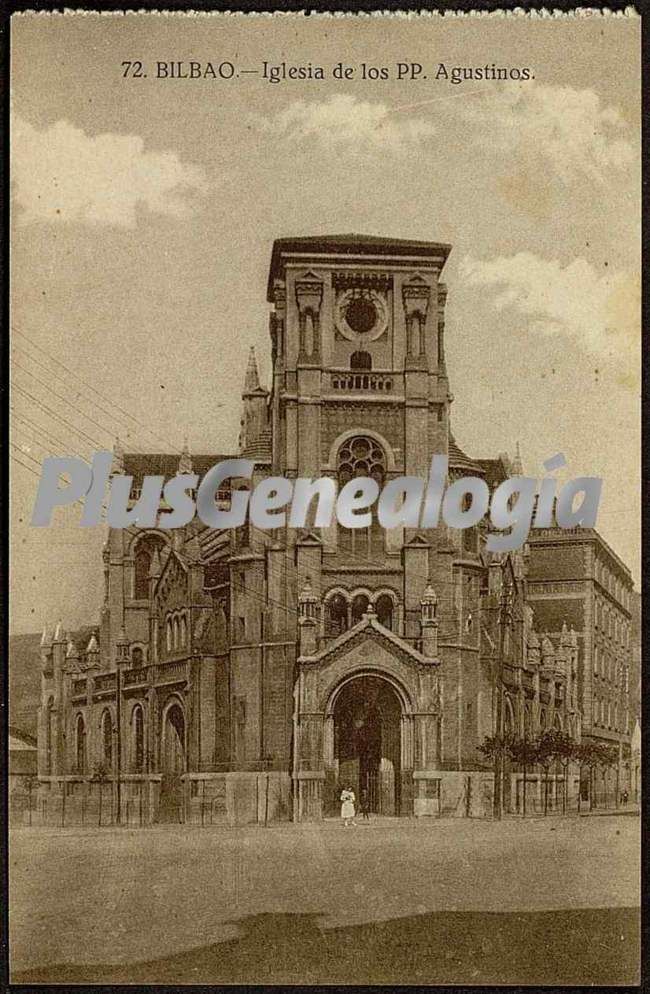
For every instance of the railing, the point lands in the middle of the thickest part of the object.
(136, 677)
(171, 672)
(374, 382)
(105, 681)
(78, 688)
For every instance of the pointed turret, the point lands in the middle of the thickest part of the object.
(185, 461)
(252, 379)
(46, 652)
(122, 646)
(92, 653)
(59, 633)
(254, 423)
(548, 653)
(517, 465)
(533, 649)
(72, 657)
(565, 638)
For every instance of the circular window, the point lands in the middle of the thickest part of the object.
(361, 315)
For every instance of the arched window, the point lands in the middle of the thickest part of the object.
(359, 608)
(176, 628)
(137, 657)
(361, 457)
(169, 634)
(143, 556)
(107, 739)
(336, 615)
(81, 744)
(527, 721)
(183, 630)
(361, 360)
(384, 609)
(137, 733)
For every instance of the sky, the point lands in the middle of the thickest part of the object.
(144, 211)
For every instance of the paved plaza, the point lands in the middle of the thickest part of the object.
(550, 900)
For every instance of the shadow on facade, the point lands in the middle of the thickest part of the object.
(586, 947)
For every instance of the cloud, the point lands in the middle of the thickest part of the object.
(599, 311)
(342, 120)
(568, 128)
(61, 173)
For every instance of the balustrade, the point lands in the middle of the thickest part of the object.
(363, 381)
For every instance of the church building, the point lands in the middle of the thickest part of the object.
(253, 674)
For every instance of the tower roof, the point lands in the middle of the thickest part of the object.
(458, 459)
(352, 244)
(252, 378)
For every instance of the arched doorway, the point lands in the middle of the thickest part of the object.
(367, 742)
(172, 761)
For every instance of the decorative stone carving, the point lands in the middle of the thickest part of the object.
(415, 298)
(309, 295)
(361, 315)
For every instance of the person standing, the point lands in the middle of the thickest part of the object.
(347, 806)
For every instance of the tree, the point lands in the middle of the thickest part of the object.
(607, 759)
(524, 752)
(551, 746)
(565, 751)
(589, 757)
(495, 747)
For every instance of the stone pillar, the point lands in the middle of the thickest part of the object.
(308, 605)
(429, 623)
(59, 648)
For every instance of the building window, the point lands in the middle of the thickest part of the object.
(142, 565)
(361, 457)
(359, 607)
(81, 744)
(169, 634)
(384, 609)
(137, 657)
(183, 630)
(336, 615)
(137, 731)
(361, 361)
(107, 739)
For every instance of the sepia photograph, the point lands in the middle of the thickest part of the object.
(324, 657)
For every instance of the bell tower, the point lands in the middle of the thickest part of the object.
(358, 341)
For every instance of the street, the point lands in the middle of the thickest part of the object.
(548, 901)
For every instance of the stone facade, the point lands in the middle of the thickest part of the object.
(575, 577)
(256, 672)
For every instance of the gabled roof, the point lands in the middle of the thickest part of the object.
(352, 243)
(367, 623)
(458, 459)
(260, 448)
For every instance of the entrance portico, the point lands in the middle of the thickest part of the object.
(366, 715)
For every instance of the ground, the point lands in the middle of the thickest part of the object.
(552, 901)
